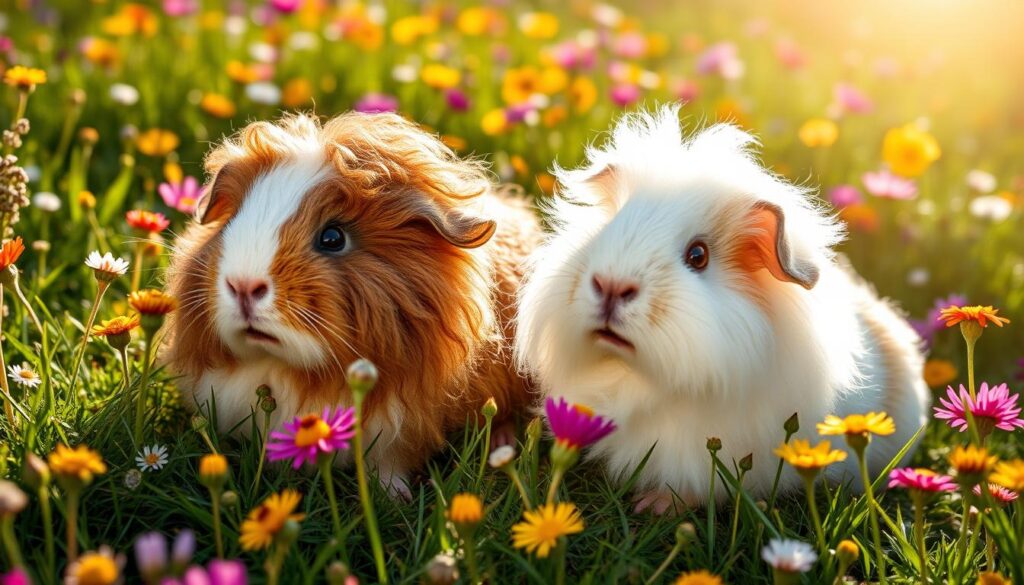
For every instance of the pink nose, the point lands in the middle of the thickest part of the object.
(613, 292)
(247, 292)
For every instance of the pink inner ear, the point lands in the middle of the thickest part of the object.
(760, 248)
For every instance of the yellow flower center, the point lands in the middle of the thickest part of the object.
(152, 459)
(96, 569)
(311, 429)
(27, 375)
(584, 410)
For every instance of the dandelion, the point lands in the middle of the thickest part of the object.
(24, 376)
(24, 78)
(994, 408)
(1010, 475)
(75, 470)
(152, 458)
(818, 133)
(101, 567)
(157, 142)
(701, 577)
(788, 558)
(909, 150)
(541, 529)
(265, 521)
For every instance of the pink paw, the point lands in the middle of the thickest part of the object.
(658, 502)
(503, 434)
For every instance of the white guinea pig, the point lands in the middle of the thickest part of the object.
(686, 293)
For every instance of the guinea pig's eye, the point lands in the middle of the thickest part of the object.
(697, 256)
(331, 239)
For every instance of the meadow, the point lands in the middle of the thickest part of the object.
(906, 117)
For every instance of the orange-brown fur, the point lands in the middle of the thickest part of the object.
(435, 318)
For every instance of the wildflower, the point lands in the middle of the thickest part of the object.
(466, 510)
(181, 195)
(152, 302)
(999, 493)
(457, 100)
(213, 470)
(789, 556)
(847, 552)
(440, 76)
(889, 186)
(983, 315)
(575, 425)
(991, 207)
(78, 465)
(972, 464)
(538, 25)
(701, 577)
(100, 52)
(872, 423)
(980, 181)
(993, 408)
(408, 30)
(147, 221)
(265, 521)
(375, 103)
(10, 252)
(12, 499)
(151, 555)
(24, 376)
(217, 105)
(106, 267)
(921, 480)
(809, 460)
(46, 201)
(263, 93)
(847, 99)
(132, 479)
(494, 122)
(117, 330)
(307, 438)
(477, 20)
(992, 578)
(909, 150)
(721, 59)
(939, 372)
(24, 78)
(157, 142)
(1010, 475)
(296, 92)
(95, 568)
(624, 94)
(541, 529)
(818, 133)
(501, 456)
(582, 94)
(845, 195)
(151, 458)
(86, 200)
(442, 570)
(16, 576)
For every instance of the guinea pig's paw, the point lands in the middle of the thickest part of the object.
(503, 434)
(658, 502)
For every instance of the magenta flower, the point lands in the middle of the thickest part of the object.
(457, 100)
(573, 55)
(377, 103)
(181, 196)
(306, 438)
(285, 6)
(575, 425)
(177, 8)
(15, 576)
(217, 572)
(889, 186)
(924, 480)
(686, 90)
(624, 94)
(844, 195)
(1000, 494)
(851, 100)
(994, 406)
(630, 45)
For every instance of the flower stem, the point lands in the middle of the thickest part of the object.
(8, 406)
(47, 513)
(736, 512)
(28, 307)
(872, 515)
(778, 476)
(364, 493)
(517, 481)
(970, 366)
(328, 479)
(140, 408)
(215, 511)
(101, 287)
(71, 520)
(474, 570)
(556, 479)
(560, 568)
(263, 452)
(484, 450)
(919, 535)
(812, 505)
(137, 269)
(672, 554)
(126, 371)
(11, 543)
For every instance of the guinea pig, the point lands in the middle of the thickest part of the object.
(363, 237)
(687, 293)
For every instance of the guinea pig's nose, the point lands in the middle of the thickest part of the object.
(614, 291)
(247, 291)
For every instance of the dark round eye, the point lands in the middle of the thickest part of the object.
(697, 256)
(331, 239)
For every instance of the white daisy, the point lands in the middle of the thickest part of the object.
(124, 94)
(151, 458)
(790, 556)
(501, 456)
(106, 266)
(263, 93)
(992, 207)
(24, 376)
(46, 201)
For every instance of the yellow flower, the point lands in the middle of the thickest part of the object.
(818, 133)
(24, 78)
(520, 83)
(79, 464)
(1010, 475)
(972, 462)
(213, 470)
(983, 315)
(157, 142)
(241, 73)
(807, 459)
(116, 326)
(95, 568)
(152, 302)
(296, 92)
(440, 76)
(266, 520)
(541, 528)
(701, 577)
(494, 122)
(938, 373)
(101, 52)
(582, 94)
(847, 551)
(909, 151)
(408, 30)
(217, 105)
(990, 578)
(86, 200)
(539, 25)
(872, 423)
(131, 19)
(477, 20)
(466, 509)
(454, 142)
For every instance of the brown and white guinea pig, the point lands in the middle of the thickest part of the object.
(687, 293)
(361, 237)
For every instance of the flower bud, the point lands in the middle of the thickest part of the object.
(213, 471)
(847, 552)
(747, 463)
(262, 391)
(792, 424)
(442, 570)
(132, 479)
(490, 408)
(199, 423)
(86, 200)
(502, 456)
(229, 499)
(268, 404)
(533, 432)
(337, 573)
(35, 473)
(362, 376)
(88, 136)
(12, 499)
(714, 444)
(289, 533)
(563, 455)
(686, 533)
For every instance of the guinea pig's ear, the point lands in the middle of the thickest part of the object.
(215, 202)
(459, 228)
(766, 246)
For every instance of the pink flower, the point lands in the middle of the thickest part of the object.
(887, 185)
(285, 6)
(789, 54)
(686, 90)
(306, 438)
(1000, 494)
(377, 103)
(625, 94)
(994, 405)
(575, 425)
(181, 196)
(15, 576)
(844, 195)
(457, 100)
(851, 100)
(630, 45)
(720, 59)
(924, 480)
(180, 7)
(573, 55)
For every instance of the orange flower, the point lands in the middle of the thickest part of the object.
(10, 252)
(296, 92)
(152, 302)
(217, 105)
(24, 78)
(156, 142)
(116, 326)
(983, 315)
(147, 220)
